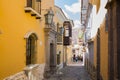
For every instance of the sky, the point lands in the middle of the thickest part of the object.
(71, 9)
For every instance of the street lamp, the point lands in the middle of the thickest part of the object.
(61, 30)
(49, 17)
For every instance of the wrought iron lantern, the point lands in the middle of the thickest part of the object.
(49, 17)
(61, 30)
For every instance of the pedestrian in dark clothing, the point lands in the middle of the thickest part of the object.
(74, 58)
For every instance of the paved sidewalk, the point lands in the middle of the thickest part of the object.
(74, 71)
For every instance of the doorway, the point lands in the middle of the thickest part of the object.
(31, 49)
(98, 54)
(51, 55)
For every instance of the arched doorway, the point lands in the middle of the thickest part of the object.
(31, 45)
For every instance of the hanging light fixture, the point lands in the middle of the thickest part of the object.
(49, 17)
(61, 30)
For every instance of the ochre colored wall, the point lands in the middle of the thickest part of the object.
(69, 54)
(14, 25)
(104, 51)
(59, 46)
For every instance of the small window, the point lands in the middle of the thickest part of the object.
(29, 3)
(34, 4)
(34, 8)
(38, 6)
(58, 25)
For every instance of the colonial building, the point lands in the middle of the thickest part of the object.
(27, 39)
(101, 52)
(113, 7)
(76, 35)
(67, 40)
(59, 20)
(95, 58)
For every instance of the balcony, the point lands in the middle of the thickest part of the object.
(32, 12)
(59, 39)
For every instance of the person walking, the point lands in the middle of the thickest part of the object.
(74, 58)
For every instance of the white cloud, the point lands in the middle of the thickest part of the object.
(74, 8)
(77, 24)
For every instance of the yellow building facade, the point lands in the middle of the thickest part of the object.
(101, 58)
(60, 17)
(99, 68)
(95, 51)
(104, 51)
(69, 54)
(22, 33)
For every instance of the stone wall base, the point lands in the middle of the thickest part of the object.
(18, 76)
(31, 72)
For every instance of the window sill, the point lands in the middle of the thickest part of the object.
(33, 12)
(60, 43)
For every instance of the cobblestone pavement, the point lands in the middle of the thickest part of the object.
(74, 71)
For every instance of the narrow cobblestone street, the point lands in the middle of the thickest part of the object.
(74, 71)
